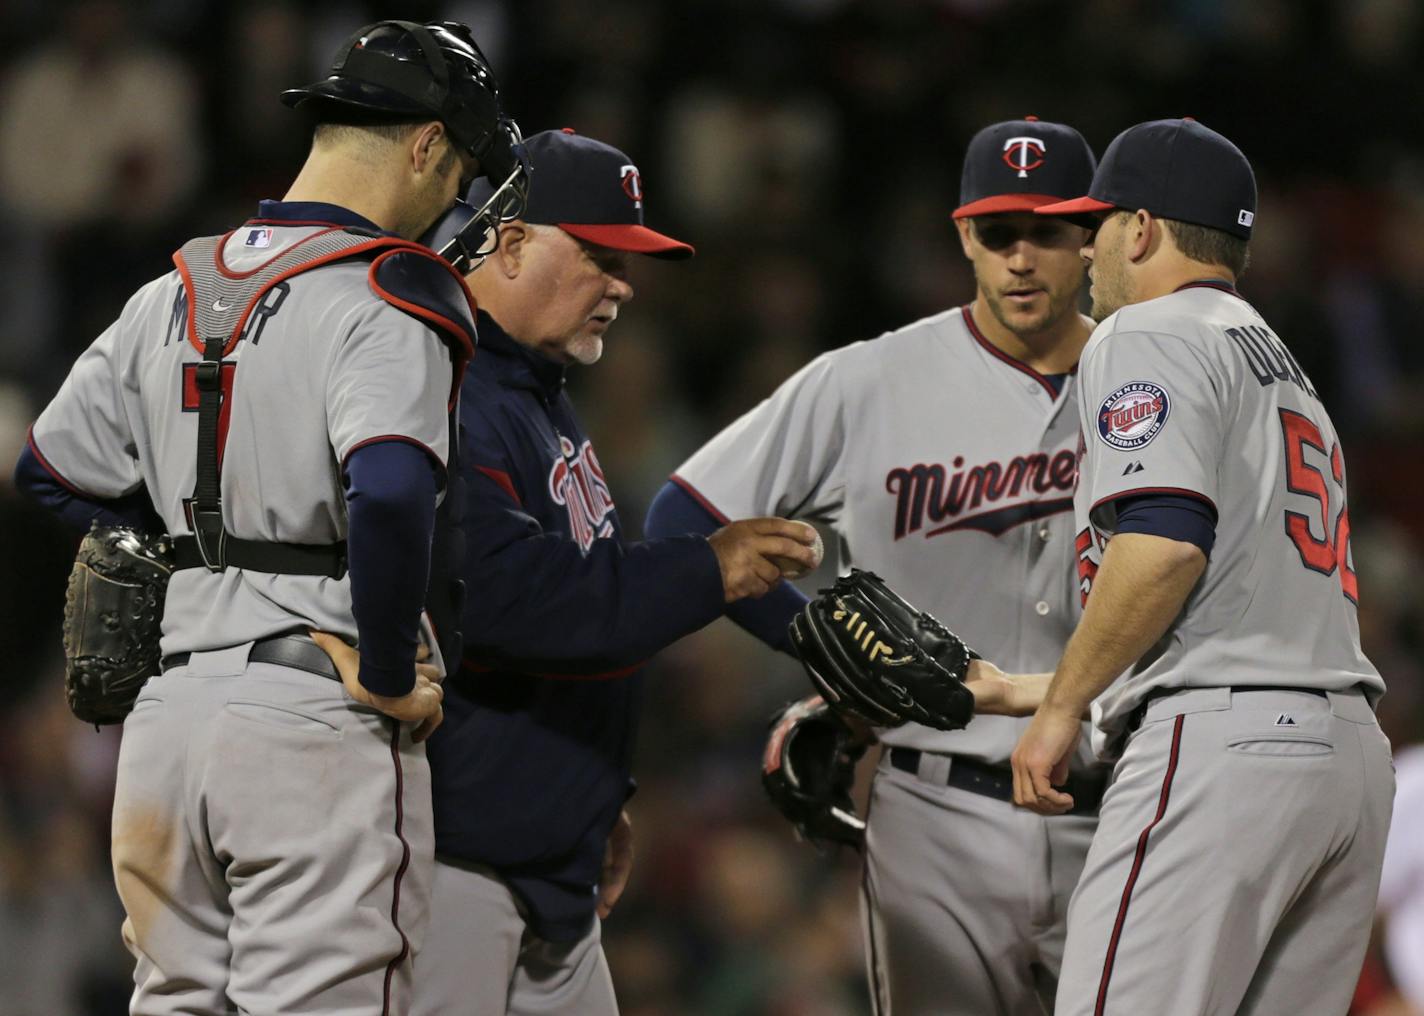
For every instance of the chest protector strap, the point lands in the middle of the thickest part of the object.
(220, 302)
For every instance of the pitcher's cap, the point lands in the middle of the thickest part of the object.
(1176, 169)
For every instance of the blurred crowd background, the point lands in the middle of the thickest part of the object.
(810, 150)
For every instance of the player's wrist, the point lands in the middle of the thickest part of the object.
(387, 681)
(1061, 704)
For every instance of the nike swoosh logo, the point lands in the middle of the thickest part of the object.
(218, 305)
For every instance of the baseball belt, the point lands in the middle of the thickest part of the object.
(295, 651)
(998, 781)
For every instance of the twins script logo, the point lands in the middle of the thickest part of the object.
(576, 481)
(953, 496)
(1024, 154)
(633, 184)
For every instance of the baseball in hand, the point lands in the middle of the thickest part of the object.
(795, 569)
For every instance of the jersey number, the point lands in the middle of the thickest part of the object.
(1330, 552)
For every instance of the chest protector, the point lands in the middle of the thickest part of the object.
(220, 302)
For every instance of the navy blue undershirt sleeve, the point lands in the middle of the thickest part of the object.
(79, 512)
(1173, 516)
(390, 503)
(675, 511)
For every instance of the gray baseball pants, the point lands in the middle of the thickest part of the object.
(1236, 862)
(965, 897)
(272, 845)
(480, 958)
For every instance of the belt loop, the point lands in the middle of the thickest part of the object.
(934, 767)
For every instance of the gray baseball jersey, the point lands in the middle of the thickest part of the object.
(941, 464)
(326, 366)
(1193, 394)
(948, 468)
(1261, 734)
(230, 872)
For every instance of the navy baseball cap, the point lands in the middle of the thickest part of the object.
(1021, 165)
(589, 190)
(1176, 169)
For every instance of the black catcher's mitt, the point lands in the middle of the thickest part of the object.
(874, 656)
(807, 770)
(112, 612)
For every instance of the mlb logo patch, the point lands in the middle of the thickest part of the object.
(1133, 415)
(260, 237)
(1245, 218)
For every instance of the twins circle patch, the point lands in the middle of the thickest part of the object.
(1133, 415)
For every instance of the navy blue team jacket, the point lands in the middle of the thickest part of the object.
(532, 763)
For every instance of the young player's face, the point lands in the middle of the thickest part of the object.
(1105, 253)
(1027, 267)
(580, 286)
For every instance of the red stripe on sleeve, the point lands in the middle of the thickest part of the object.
(58, 476)
(696, 495)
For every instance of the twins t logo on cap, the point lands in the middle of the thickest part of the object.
(1024, 154)
(633, 184)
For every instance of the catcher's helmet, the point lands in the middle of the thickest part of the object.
(401, 69)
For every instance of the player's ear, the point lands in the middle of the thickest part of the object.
(510, 254)
(1144, 234)
(426, 145)
(964, 226)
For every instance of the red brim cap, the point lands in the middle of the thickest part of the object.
(1078, 206)
(630, 237)
(1004, 203)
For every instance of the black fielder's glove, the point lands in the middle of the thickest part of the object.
(874, 656)
(807, 769)
(112, 612)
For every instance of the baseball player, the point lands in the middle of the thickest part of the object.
(532, 767)
(280, 401)
(1238, 850)
(942, 456)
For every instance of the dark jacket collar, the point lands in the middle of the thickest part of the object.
(516, 364)
(314, 212)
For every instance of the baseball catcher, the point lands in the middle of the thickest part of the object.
(874, 656)
(808, 768)
(112, 611)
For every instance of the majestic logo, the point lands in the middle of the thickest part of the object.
(576, 481)
(1024, 154)
(633, 185)
(258, 238)
(1133, 415)
(931, 492)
